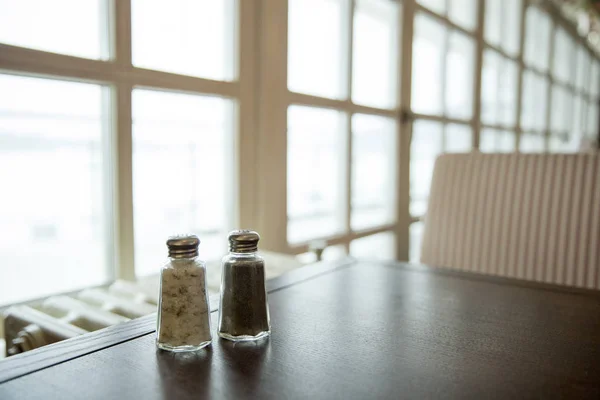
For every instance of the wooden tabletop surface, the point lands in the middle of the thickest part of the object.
(349, 330)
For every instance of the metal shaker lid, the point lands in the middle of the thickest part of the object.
(183, 246)
(243, 241)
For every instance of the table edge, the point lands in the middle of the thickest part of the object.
(66, 350)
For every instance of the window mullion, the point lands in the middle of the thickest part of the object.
(404, 129)
(479, 47)
(521, 69)
(123, 171)
(347, 188)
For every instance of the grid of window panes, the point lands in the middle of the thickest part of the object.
(57, 132)
(500, 75)
(443, 65)
(560, 88)
(321, 141)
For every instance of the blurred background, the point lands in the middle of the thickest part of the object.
(314, 122)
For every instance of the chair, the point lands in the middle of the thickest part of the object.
(528, 216)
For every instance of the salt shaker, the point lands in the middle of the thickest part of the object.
(244, 312)
(183, 308)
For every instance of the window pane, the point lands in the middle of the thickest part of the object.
(562, 102)
(592, 117)
(375, 53)
(490, 81)
(493, 22)
(315, 48)
(426, 145)
(315, 173)
(427, 65)
(416, 239)
(52, 136)
(595, 79)
(439, 6)
(531, 143)
(563, 56)
(537, 38)
(583, 68)
(458, 138)
(373, 171)
(496, 141)
(507, 93)
(380, 246)
(182, 173)
(560, 144)
(463, 13)
(187, 37)
(73, 27)
(535, 94)
(511, 26)
(459, 76)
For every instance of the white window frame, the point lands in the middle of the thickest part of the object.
(118, 74)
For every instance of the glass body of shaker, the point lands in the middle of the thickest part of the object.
(244, 311)
(183, 309)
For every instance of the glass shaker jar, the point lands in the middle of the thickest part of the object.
(183, 308)
(244, 312)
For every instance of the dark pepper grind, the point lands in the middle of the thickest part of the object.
(244, 313)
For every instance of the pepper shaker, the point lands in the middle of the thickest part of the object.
(183, 309)
(244, 312)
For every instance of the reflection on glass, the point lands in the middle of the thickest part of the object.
(52, 134)
(563, 56)
(463, 13)
(380, 246)
(315, 173)
(426, 145)
(459, 138)
(373, 171)
(427, 65)
(315, 47)
(73, 27)
(534, 104)
(459, 76)
(416, 240)
(497, 141)
(182, 173)
(537, 38)
(374, 56)
(531, 143)
(185, 37)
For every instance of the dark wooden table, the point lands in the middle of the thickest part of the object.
(351, 330)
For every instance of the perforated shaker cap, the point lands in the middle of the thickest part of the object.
(243, 241)
(183, 246)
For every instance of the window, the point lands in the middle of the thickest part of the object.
(315, 173)
(184, 37)
(115, 157)
(53, 174)
(342, 132)
(51, 27)
(289, 118)
(182, 172)
(315, 48)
